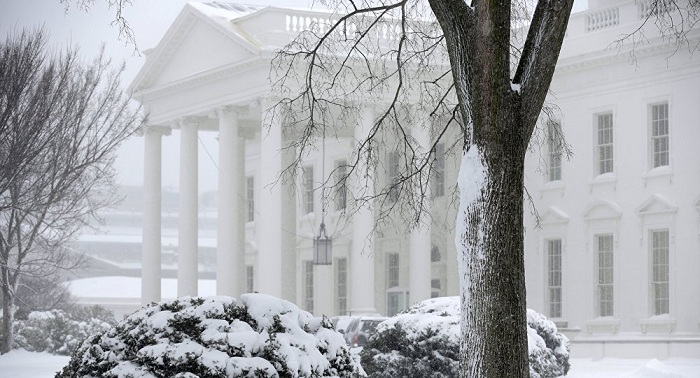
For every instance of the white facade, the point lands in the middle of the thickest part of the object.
(616, 256)
(210, 74)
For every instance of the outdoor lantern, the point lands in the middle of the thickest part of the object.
(323, 247)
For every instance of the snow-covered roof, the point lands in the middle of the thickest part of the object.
(226, 9)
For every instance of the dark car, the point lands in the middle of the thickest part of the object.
(361, 328)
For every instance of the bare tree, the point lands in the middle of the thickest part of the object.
(61, 121)
(481, 71)
(125, 32)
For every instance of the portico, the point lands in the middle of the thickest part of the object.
(207, 76)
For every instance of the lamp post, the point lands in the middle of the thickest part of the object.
(323, 247)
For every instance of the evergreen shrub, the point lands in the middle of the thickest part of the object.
(423, 341)
(254, 336)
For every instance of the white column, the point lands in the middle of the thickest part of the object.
(419, 271)
(269, 230)
(151, 247)
(362, 258)
(276, 227)
(230, 253)
(187, 216)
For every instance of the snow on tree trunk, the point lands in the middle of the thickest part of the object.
(490, 251)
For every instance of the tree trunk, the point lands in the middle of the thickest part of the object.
(8, 318)
(492, 270)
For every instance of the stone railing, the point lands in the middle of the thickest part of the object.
(275, 26)
(595, 29)
(649, 8)
(602, 19)
(622, 16)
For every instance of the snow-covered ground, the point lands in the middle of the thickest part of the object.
(23, 364)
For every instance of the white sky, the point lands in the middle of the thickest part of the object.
(149, 20)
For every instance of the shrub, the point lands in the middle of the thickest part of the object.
(58, 332)
(254, 336)
(548, 349)
(423, 341)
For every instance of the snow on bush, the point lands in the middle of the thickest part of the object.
(548, 349)
(423, 341)
(60, 332)
(254, 336)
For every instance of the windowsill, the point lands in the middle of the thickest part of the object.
(664, 172)
(552, 186)
(658, 323)
(560, 322)
(603, 324)
(604, 179)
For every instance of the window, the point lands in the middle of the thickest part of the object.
(307, 177)
(439, 171)
(435, 254)
(249, 277)
(554, 150)
(396, 301)
(605, 275)
(308, 286)
(554, 277)
(659, 135)
(250, 198)
(659, 271)
(605, 143)
(393, 175)
(435, 287)
(341, 292)
(341, 187)
(392, 270)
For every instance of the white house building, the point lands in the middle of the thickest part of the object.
(614, 259)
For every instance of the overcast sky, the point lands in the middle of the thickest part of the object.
(149, 20)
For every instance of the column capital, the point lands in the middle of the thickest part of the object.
(235, 110)
(188, 121)
(153, 129)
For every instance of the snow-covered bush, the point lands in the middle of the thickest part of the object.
(423, 341)
(254, 336)
(60, 332)
(548, 349)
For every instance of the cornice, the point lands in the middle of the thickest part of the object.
(201, 78)
(657, 46)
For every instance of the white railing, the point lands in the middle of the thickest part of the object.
(298, 22)
(277, 26)
(602, 19)
(649, 8)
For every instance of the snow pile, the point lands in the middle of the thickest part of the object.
(254, 336)
(423, 341)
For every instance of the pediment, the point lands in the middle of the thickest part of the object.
(554, 215)
(196, 43)
(657, 204)
(602, 209)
